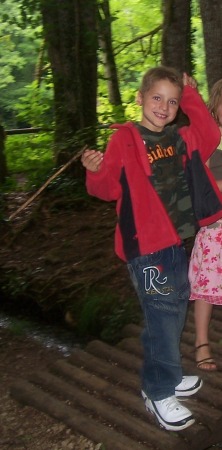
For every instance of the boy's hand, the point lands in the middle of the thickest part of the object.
(92, 159)
(189, 81)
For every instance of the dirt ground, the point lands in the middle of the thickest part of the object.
(22, 427)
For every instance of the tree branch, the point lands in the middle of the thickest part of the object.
(123, 45)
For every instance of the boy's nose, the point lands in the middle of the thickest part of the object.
(164, 105)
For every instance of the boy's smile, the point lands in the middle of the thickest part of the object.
(159, 105)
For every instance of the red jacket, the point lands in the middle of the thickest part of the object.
(127, 153)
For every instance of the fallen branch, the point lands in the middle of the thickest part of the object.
(30, 200)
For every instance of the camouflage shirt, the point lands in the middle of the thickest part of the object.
(164, 152)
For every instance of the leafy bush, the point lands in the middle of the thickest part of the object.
(104, 315)
(36, 106)
(30, 154)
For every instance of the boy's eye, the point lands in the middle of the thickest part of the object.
(173, 102)
(156, 97)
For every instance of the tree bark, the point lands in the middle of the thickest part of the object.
(176, 38)
(71, 37)
(105, 41)
(211, 13)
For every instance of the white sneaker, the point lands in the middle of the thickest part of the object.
(170, 414)
(188, 386)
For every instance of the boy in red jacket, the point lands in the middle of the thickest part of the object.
(163, 193)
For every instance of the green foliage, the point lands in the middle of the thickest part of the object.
(135, 51)
(199, 56)
(14, 285)
(136, 43)
(19, 48)
(107, 114)
(115, 319)
(102, 137)
(31, 155)
(7, 50)
(103, 315)
(19, 327)
(71, 189)
(98, 314)
(10, 185)
(36, 107)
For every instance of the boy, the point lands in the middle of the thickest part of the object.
(151, 170)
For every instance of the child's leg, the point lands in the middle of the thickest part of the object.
(202, 316)
(162, 286)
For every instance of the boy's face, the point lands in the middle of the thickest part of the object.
(159, 105)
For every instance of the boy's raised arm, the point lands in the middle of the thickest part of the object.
(202, 134)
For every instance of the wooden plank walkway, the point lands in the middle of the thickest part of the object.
(96, 392)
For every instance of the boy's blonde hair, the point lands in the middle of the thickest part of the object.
(160, 73)
(215, 98)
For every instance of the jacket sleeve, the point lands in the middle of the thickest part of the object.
(105, 184)
(202, 134)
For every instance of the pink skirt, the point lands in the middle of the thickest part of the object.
(205, 268)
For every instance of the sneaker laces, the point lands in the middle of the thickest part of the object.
(171, 403)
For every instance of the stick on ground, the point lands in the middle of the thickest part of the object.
(33, 197)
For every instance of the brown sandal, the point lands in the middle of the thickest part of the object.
(209, 361)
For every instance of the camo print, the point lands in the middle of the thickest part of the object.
(165, 151)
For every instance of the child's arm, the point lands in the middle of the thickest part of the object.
(103, 171)
(202, 134)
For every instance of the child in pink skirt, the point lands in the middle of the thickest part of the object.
(205, 270)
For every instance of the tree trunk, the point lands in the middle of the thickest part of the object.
(105, 41)
(176, 38)
(71, 38)
(211, 13)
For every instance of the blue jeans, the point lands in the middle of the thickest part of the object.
(161, 283)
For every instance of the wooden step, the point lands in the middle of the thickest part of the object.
(96, 392)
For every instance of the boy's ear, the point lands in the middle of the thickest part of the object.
(139, 98)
